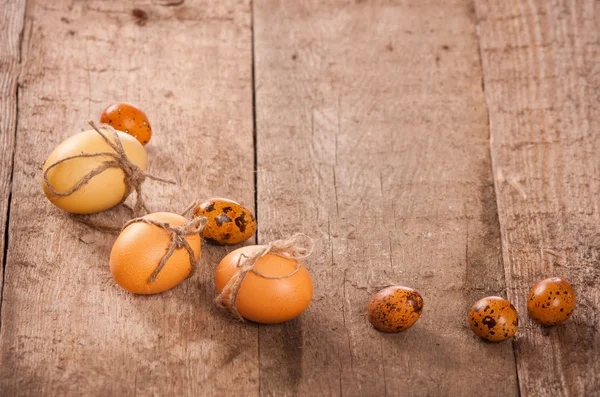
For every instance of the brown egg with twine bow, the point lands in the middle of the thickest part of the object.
(156, 252)
(95, 170)
(266, 283)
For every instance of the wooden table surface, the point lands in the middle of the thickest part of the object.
(450, 146)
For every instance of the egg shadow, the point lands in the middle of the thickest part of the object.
(188, 315)
(188, 311)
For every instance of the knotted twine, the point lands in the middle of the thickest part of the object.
(297, 247)
(178, 238)
(134, 175)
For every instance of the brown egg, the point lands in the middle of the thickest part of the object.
(265, 300)
(551, 301)
(128, 118)
(395, 309)
(228, 222)
(140, 247)
(493, 318)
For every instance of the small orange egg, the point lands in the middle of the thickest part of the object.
(228, 222)
(130, 119)
(140, 247)
(395, 309)
(551, 301)
(493, 318)
(264, 300)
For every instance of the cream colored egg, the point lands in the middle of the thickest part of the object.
(104, 190)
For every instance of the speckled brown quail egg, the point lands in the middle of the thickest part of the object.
(551, 301)
(395, 309)
(493, 318)
(228, 222)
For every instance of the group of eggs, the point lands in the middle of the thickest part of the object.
(550, 302)
(140, 247)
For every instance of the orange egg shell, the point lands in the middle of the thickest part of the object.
(263, 300)
(493, 318)
(139, 249)
(130, 119)
(551, 301)
(228, 221)
(395, 309)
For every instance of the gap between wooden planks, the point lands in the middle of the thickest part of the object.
(329, 79)
(11, 27)
(541, 62)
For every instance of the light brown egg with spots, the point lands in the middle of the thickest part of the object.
(228, 222)
(130, 119)
(494, 319)
(551, 301)
(395, 309)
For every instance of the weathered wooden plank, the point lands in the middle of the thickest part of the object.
(372, 136)
(541, 64)
(67, 328)
(11, 26)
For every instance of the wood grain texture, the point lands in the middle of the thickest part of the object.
(372, 137)
(67, 328)
(542, 78)
(11, 26)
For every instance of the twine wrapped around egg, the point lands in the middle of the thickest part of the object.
(297, 247)
(178, 238)
(134, 175)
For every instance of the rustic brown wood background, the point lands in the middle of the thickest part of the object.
(451, 146)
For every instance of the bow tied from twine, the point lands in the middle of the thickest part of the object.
(297, 247)
(178, 238)
(134, 175)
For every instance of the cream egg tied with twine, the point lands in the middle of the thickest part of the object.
(266, 283)
(95, 170)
